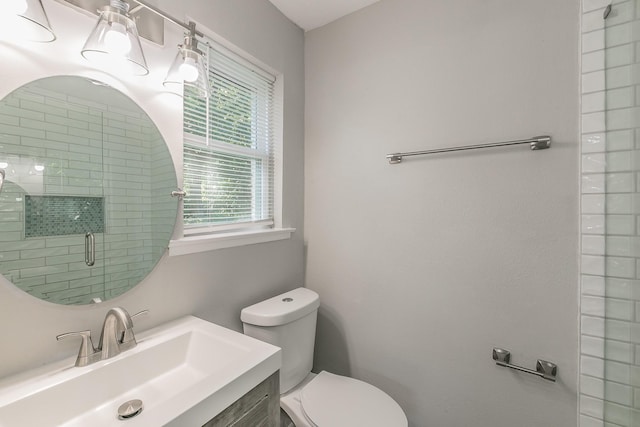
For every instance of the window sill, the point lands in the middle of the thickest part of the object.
(210, 242)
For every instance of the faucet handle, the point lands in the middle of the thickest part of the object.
(128, 336)
(86, 347)
(140, 313)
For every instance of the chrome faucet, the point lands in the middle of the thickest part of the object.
(117, 333)
(117, 336)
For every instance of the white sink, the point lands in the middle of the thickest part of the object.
(185, 372)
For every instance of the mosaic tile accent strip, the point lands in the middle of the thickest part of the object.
(63, 215)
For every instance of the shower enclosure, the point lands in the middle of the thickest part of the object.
(610, 359)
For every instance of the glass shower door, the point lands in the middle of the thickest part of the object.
(52, 199)
(621, 181)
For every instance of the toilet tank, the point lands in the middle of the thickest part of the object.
(289, 322)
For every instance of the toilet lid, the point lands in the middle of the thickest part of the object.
(331, 400)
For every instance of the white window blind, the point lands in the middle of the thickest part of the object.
(228, 147)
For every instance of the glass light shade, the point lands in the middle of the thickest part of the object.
(188, 69)
(114, 44)
(25, 20)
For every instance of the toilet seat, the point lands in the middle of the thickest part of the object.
(330, 400)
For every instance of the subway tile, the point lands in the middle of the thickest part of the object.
(620, 182)
(592, 407)
(592, 285)
(621, 415)
(615, 99)
(592, 306)
(594, 326)
(90, 104)
(617, 204)
(9, 256)
(593, 184)
(619, 246)
(40, 106)
(620, 267)
(595, 245)
(23, 264)
(63, 259)
(623, 11)
(618, 34)
(42, 271)
(623, 118)
(622, 330)
(590, 5)
(618, 393)
(594, 82)
(623, 288)
(587, 421)
(593, 143)
(620, 224)
(593, 204)
(619, 55)
(596, 101)
(18, 112)
(592, 21)
(11, 236)
(596, 122)
(67, 276)
(594, 40)
(592, 346)
(619, 351)
(616, 77)
(591, 386)
(618, 372)
(592, 224)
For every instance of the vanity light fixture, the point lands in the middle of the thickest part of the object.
(188, 67)
(25, 20)
(114, 41)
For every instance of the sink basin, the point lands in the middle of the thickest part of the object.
(185, 372)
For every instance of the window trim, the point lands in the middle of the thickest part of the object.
(210, 242)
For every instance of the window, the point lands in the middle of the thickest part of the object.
(229, 148)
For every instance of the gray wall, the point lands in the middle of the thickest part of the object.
(212, 285)
(424, 267)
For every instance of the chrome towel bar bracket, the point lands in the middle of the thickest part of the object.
(545, 370)
(535, 143)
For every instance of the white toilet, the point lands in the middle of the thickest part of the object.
(323, 400)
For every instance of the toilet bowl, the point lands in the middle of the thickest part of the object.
(315, 400)
(332, 400)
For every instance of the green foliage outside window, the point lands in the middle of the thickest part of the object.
(220, 185)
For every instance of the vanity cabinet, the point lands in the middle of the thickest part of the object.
(260, 407)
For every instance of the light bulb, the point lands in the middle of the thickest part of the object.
(116, 39)
(189, 70)
(17, 7)
(38, 168)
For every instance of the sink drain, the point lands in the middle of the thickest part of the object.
(130, 409)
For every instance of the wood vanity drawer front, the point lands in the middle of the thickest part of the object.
(258, 408)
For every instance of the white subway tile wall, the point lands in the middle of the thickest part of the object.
(87, 149)
(610, 281)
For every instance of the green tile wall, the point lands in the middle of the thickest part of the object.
(92, 151)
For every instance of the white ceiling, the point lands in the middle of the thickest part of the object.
(310, 14)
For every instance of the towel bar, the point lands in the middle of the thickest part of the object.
(545, 370)
(535, 143)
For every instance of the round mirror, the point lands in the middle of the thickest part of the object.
(85, 204)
